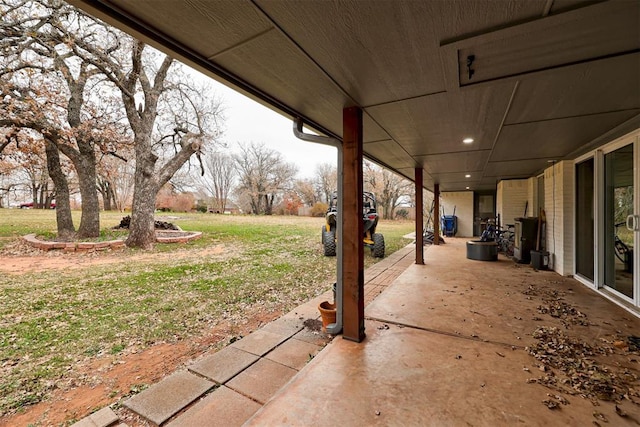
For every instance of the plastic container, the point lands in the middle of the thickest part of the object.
(449, 224)
(540, 260)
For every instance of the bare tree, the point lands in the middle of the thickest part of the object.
(263, 176)
(45, 88)
(169, 117)
(188, 136)
(388, 187)
(123, 180)
(218, 178)
(306, 191)
(326, 180)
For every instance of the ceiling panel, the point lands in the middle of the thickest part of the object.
(375, 60)
(409, 173)
(360, 47)
(207, 27)
(565, 41)
(565, 5)
(438, 123)
(456, 182)
(486, 183)
(458, 19)
(461, 163)
(372, 131)
(515, 168)
(293, 77)
(556, 138)
(611, 84)
(390, 153)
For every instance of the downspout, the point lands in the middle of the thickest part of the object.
(334, 328)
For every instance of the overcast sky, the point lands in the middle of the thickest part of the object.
(247, 121)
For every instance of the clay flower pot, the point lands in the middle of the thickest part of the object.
(328, 314)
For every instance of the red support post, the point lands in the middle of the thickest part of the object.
(436, 214)
(419, 218)
(352, 227)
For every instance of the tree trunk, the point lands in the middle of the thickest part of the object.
(104, 187)
(66, 230)
(142, 229)
(90, 218)
(84, 161)
(112, 197)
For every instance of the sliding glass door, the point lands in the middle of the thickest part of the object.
(585, 212)
(620, 222)
(607, 219)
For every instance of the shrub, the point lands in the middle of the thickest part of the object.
(402, 213)
(319, 209)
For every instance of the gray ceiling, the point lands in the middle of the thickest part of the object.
(551, 78)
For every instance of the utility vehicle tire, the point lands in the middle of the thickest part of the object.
(378, 245)
(322, 230)
(329, 243)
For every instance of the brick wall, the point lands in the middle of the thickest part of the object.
(511, 199)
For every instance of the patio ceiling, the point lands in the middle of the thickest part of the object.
(550, 79)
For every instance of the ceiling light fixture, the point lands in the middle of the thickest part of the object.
(467, 188)
(467, 140)
(467, 176)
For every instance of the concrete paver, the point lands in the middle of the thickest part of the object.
(224, 364)
(286, 325)
(316, 337)
(166, 398)
(102, 418)
(224, 407)
(293, 353)
(260, 342)
(262, 380)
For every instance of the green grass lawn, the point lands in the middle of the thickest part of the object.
(53, 320)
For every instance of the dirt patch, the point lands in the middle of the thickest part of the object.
(108, 380)
(20, 258)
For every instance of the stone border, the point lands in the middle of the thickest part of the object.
(44, 245)
(34, 242)
(192, 235)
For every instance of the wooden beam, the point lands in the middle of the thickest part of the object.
(352, 227)
(419, 218)
(436, 214)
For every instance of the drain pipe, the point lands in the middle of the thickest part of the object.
(334, 328)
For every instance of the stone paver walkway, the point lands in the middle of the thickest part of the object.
(228, 387)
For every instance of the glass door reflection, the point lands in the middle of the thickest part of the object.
(619, 203)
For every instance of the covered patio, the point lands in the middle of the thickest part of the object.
(457, 96)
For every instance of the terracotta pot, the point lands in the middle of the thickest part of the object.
(328, 313)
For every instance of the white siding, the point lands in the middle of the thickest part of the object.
(511, 200)
(532, 197)
(463, 203)
(559, 201)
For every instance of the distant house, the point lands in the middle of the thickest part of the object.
(230, 209)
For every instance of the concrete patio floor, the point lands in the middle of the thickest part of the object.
(447, 345)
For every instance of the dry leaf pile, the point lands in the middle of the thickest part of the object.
(570, 367)
(555, 306)
(573, 366)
